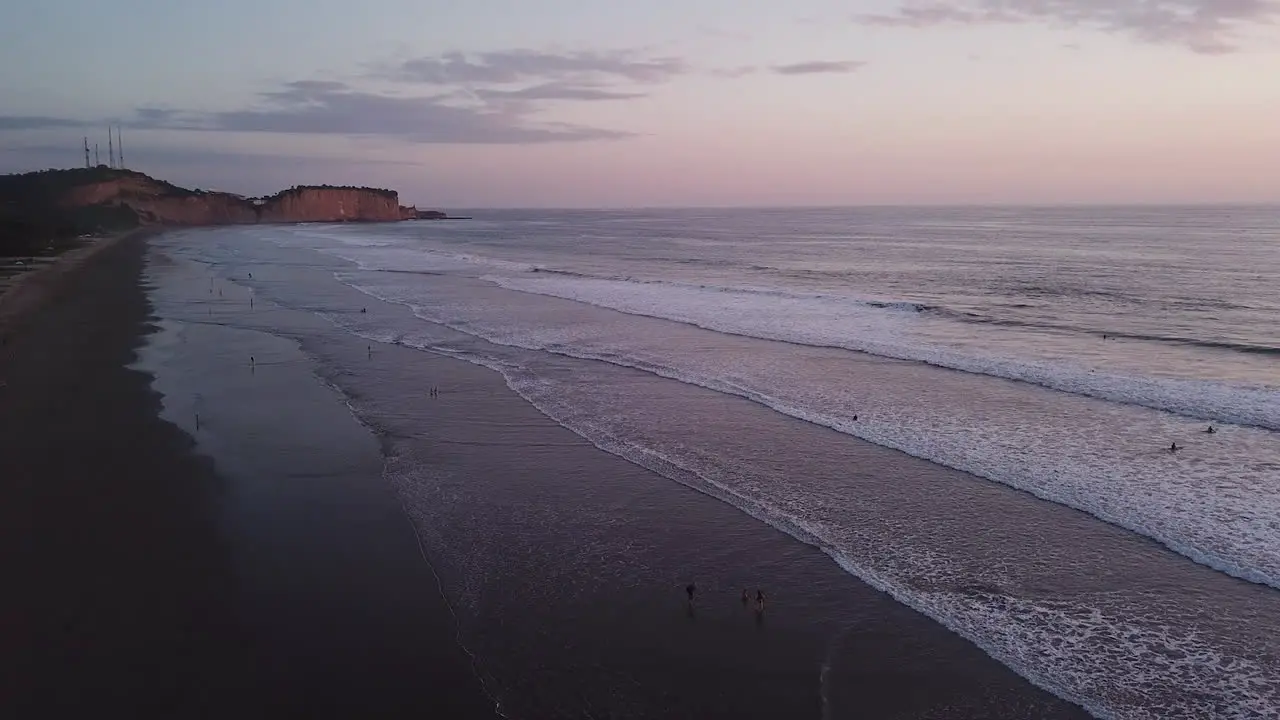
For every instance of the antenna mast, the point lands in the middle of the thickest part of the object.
(111, 148)
(86, 152)
(96, 161)
(120, 146)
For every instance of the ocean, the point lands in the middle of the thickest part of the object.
(1046, 358)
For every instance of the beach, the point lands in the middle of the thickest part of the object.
(262, 562)
(294, 491)
(563, 565)
(129, 590)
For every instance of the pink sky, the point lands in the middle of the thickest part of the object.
(664, 103)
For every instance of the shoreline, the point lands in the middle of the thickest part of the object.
(115, 570)
(136, 588)
(280, 573)
(26, 292)
(566, 563)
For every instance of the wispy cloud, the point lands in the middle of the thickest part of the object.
(515, 66)
(557, 91)
(37, 122)
(335, 108)
(214, 167)
(1203, 26)
(819, 67)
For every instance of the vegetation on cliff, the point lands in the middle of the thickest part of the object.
(299, 189)
(32, 216)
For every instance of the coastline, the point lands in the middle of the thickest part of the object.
(133, 589)
(565, 564)
(279, 571)
(114, 570)
(24, 293)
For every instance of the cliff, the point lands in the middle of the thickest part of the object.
(333, 204)
(36, 207)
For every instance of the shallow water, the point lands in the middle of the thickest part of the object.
(635, 330)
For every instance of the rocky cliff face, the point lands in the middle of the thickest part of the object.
(332, 204)
(156, 201)
(202, 209)
(38, 206)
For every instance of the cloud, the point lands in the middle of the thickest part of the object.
(1203, 26)
(210, 168)
(489, 97)
(38, 122)
(818, 67)
(515, 66)
(557, 91)
(334, 108)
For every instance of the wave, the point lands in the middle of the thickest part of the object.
(1032, 372)
(835, 328)
(1084, 468)
(978, 318)
(1065, 647)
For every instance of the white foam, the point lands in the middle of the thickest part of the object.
(826, 321)
(1217, 505)
(392, 257)
(1116, 661)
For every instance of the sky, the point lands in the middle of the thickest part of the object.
(650, 103)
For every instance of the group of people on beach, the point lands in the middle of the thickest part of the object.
(692, 589)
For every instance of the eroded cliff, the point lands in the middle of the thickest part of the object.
(60, 202)
(332, 204)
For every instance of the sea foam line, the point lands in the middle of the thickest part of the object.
(1201, 399)
(1005, 630)
(1251, 557)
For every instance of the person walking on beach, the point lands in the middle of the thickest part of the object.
(690, 589)
(759, 600)
(745, 599)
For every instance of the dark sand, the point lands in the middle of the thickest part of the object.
(128, 590)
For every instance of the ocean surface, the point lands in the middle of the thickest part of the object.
(1054, 352)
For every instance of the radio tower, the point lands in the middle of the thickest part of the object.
(86, 152)
(111, 148)
(96, 161)
(120, 146)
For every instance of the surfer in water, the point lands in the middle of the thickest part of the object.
(1210, 430)
(1173, 447)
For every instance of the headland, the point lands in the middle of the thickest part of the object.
(42, 211)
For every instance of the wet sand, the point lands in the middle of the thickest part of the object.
(115, 573)
(132, 588)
